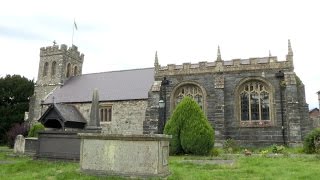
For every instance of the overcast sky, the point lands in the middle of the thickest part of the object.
(124, 34)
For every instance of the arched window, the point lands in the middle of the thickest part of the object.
(75, 70)
(68, 70)
(53, 68)
(190, 90)
(254, 101)
(45, 68)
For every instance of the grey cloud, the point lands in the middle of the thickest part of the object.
(20, 33)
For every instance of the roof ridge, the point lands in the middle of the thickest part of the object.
(118, 71)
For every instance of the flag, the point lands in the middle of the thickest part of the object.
(75, 25)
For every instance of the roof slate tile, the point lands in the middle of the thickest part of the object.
(112, 86)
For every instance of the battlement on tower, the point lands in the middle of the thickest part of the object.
(62, 49)
(259, 63)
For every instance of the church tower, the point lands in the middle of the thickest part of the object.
(57, 64)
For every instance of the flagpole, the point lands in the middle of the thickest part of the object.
(72, 31)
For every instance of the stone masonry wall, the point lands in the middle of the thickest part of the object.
(36, 109)
(150, 124)
(127, 116)
(221, 106)
(220, 80)
(46, 83)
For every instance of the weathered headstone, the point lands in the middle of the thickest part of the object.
(19, 144)
(94, 121)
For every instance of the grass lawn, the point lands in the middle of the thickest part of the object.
(181, 167)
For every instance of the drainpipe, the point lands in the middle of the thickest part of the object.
(319, 98)
(164, 83)
(280, 76)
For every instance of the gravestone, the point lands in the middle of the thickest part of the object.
(142, 156)
(19, 144)
(31, 145)
(94, 121)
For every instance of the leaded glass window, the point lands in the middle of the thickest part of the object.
(106, 114)
(190, 90)
(254, 102)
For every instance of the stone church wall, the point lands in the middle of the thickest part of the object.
(219, 82)
(127, 116)
(261, 134)
(36, 109)
(52, 76)
(221, 107)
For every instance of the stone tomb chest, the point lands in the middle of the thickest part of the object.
(125, 155)
(58, 145)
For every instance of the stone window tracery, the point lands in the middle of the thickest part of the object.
(254, 102)
(106, 114)
(190, 90)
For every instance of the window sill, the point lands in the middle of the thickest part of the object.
(106, 122)
(261, 124)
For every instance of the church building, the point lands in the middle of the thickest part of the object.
(255, 101)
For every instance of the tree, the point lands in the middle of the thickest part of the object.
(190, 129)
(35, 129)
(15, 92)
(311, 142)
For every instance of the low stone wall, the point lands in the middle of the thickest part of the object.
(31, 146)
(125, 155)
(62, 145)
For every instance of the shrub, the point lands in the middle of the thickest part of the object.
(215, 152)
(264, 152)
(35, 130)
(230, 146)
(278, 148)
(173, 128)
(312, 142)
(190, 129)
(15, 130)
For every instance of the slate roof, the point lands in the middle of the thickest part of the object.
(66, 113)
(69, 113)
(112, 86)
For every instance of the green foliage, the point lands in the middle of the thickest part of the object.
(15, 92)
(254, 167)
(25, 168)
(35, 129)
(15, 130)
(298, 80)
(215, 152)
(278, 148)
(173, 128)
(230, 146)
(264, 152)
(312, 142)
(190, 129)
